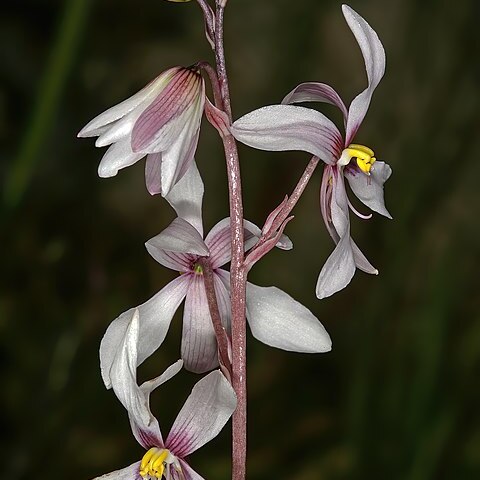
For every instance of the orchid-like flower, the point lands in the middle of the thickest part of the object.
(289, 127)
(274, 317)
(161, 121)
(204, 414)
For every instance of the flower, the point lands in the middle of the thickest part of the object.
(161, 121)
(202, 417)
(274, 317)
(289, 127)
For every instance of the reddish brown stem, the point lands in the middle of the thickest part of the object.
(220, 333)
(237, 272)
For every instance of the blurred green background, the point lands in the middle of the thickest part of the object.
(398, 396)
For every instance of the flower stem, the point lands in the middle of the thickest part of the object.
(291, 202)
(220, 333)
(237, 271)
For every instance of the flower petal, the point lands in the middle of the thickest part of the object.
(316, 92)
(118, 156)
(153, 173)
(199, 345)
(150, 435)
(188, 472)
(131, 472)
(223, 299)
(369, 189)
(278, 320)
(218, 241)
(155, 317)
(123, 374)
(204, 414)
(339, 203)
(121, 109)
(361, 261)
(179, 156)
(179, 237)
(374, 56)
(338, 269)
(288, 127)
(186, 198)
(164, 118)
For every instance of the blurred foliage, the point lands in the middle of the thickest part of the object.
(398, 396)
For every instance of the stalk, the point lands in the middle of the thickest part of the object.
(237, 271)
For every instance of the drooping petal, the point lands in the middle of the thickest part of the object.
(150, 435)
(278, 320)
(326, 195)
(157, 126)
(289, 127)
(339, 204)
(180, 237)
(369, 188)
(118, 111)
(199, 345)
(179, 156)
(153, 175)
(123, 374)
(131, 472)
(121, 128)
(155, 317)
(204, 414)
(188, 472)
(118, 156)
(374, 56)
(316, 92)
(186, 198)
(361, 261)
(338, 269)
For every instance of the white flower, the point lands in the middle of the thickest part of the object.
(290, 127)
(202, 417)
(274, 317)
(161, 121)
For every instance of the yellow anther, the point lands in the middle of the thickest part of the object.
(153, 462)
(364, 155)
(362, 148)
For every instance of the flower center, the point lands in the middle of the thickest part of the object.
(197, 269)
(364, 157)
(154, 461)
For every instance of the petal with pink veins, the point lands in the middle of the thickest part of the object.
(188, 472)
(199, 345)
(289, 127)
(131, 472)
(204, 414)
(180, 237)
(316, 92)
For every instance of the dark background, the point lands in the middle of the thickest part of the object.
(398, 396)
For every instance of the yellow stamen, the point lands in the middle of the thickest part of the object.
(198, 269)
(153, 462)
(364, 156)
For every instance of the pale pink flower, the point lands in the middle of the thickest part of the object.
(202, 417)
(289, 127)
(161, 121)
(274, 317)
